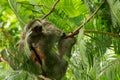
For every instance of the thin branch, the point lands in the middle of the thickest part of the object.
(95, 38)
(100, 32)
(53, 7)
(82, 25)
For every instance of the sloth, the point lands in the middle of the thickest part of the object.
(48, 47)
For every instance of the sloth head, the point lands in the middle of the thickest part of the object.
(38, 27)
(42, 32)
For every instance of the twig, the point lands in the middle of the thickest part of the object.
(100, 32)
(53, 7)
(82, 25)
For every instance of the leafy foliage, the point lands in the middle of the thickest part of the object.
(96, 56)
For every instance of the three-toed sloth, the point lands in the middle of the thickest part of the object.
(48, 46)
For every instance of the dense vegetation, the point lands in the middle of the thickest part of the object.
(95, 55)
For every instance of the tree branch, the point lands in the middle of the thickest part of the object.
(75, 32)
(100, 32)
(53, 7)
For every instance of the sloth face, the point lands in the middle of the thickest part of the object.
(37, 28)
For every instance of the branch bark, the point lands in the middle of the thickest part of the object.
(53, 7)
(100, 32)
(75, 32)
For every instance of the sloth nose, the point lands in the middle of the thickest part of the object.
(37, 28)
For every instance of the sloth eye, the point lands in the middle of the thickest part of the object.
(37, 28)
